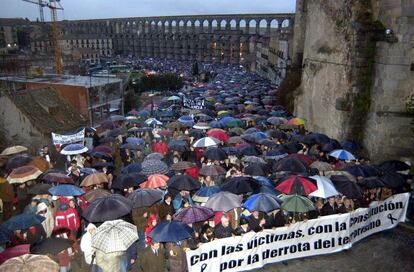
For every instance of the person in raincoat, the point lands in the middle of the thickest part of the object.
(46, 212)
(152, 222)
(86, 245)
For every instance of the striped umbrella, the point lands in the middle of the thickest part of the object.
(206, 142)
(23, 174)
(342, 154)
(114, 236)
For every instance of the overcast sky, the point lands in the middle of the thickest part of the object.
(91, 9)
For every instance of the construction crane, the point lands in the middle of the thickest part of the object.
(53, 5)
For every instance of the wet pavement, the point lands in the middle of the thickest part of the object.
(388, 251)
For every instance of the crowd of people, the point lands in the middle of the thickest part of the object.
(139, 192)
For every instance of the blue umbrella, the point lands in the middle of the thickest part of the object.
(132, 168)
(267, 190)
(5, 234)
(66, 190)
(144, 113)
(204, 193)
(262, 202)
(88, 171)
(153, 122)
(172, 231)
(263, 181)
(23, 221)
(186, 120)
(74, 149)
(342, 154)
(134, 140)
(215, 124)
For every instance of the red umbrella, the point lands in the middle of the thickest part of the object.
(103, 148)
(296, 185)
(12, 252)
(164, 132)
(302, 157)
(155, 181)
(219, 134)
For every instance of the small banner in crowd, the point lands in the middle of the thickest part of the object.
(62, 139)
(197, 104)
(324, 235)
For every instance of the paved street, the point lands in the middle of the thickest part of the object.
(388, 251)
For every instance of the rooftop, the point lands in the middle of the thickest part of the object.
(83, 81)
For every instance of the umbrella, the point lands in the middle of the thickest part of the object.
(5, 234)
(117, 118)
(262, 202)
(276, 121)
(57, 177)
(134, 140)
(106, 140)
(126, 181)
(249, 150)
(155, 181)
(215, 124)
(23, 221)
(351, 146)
(13, 150)
(296, 185)
(103, 149)
(145, 197)
(223, 201)
(51, 245)
(393, 180)
(133, 112)
(74, 149)
(253, 159)
(30, 262)
(215, 154)
(217, 133)
(325, 187)
(181, 165)
(116, 132)
(183, 183)
(132, 168)
(204, 193)
(18, 160)
(372, 182)
(297, 204)
(201, 125)
(346, 187)
(212, 170)
(362, 170)
(66, 190)
(39, 189)
(263, 181)
(114, 236)
(94, 179)
(290, 165)
(151, 167)
(24, 173)
(170, 231)
(296, 121)
(40, 163)
(154, 156)
(193, 214)
(178, 145)
(206, 142)
(107, 124)
(95, 193)
(186, 120)
(12, 252)
(256, 169)
(394, 166)
(173, 125)
(235, 140)
(173, 98)
(101, 155)
(153, 122)
(107, 208)
(303, 158)
(342, 154)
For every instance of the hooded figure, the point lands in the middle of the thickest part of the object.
(86, 243)
(49, 222)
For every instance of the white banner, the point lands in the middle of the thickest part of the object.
(324, 235)
(61, 139)
(197, 104)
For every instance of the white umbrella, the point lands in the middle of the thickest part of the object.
(153, 122)
(325, 187)
(173, 98)
(114, 236)
(201, 126)
(206, 142)
(13, 150)
(74, 149)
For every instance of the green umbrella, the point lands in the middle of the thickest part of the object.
(297, 203)
(237, 130)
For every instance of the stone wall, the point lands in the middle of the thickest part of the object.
(332, 46)
(389, 132)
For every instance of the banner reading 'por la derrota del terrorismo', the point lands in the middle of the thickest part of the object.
(61, 139)
(323, 235)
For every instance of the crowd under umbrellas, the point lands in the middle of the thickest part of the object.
(149, 189)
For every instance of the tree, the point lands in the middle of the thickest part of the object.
(164, 82)
(131, 101)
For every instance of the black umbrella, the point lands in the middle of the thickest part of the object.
(346, 187)
(107, 208)
(178, 145)
(116, 132)
(240, 185)
(372, 182)
(316, 138)
(277, 134)
(101, 155)
(183, 183)
(18, 161)
(52, 245)
(393, 180)
(145, 197)
(362, 171)
(39, 189)
(128, 180)
(292, 147)
(331, 146)
(394, 165)
(107, 140)
(290, 164)
(249, 150)
(256, 169)
(214, 153)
